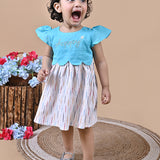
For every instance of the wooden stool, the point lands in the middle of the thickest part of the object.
(19, 103)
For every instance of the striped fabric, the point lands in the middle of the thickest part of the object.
(69, 97)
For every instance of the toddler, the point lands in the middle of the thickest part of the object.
(69, 98)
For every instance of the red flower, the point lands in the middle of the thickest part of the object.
(33, 55)
(28, 133)
(12, 55)
(25, 61)
(2, 61)
(6, 134)
(1, 137)
(29, 57)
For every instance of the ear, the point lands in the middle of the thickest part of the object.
(57, 7)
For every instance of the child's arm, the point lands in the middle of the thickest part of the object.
(47, 58)
(46, 64)
(102, 69)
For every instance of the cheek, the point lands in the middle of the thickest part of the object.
(65, 12)
(85, 8)
(66, 8)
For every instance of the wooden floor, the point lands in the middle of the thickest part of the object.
(8, 150)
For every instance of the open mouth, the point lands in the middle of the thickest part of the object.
(76, 15)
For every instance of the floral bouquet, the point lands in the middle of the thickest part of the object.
(16, 132)
(13, 66)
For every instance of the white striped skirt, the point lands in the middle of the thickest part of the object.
(69, 97)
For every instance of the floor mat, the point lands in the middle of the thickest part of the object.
(114, 140)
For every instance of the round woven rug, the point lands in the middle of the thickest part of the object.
(114, 140)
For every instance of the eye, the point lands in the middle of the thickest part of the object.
(83, 0)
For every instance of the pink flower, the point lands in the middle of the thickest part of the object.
(12, 55)
(28, 133)
(2, 61)
(25, 61)
(6, 134)
(1, 137)
(33, 55)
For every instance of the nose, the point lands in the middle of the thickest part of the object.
(78, 3)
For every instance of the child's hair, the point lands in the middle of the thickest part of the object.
(58, 16)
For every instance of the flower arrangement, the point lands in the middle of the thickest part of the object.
(13, 65)
(16, 132)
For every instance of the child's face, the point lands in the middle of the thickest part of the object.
(73, 11)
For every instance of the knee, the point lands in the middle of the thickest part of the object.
(86, 131)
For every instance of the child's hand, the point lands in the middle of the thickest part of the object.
(106, 95)
(42, 74)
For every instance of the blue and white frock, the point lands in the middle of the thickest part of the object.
(69, 97)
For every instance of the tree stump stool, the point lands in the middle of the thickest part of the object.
(19, 103)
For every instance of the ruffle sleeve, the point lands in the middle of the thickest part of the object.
(99, 33)
(44, 33)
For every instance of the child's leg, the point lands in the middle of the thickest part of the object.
(87, 143)
(67, 137)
